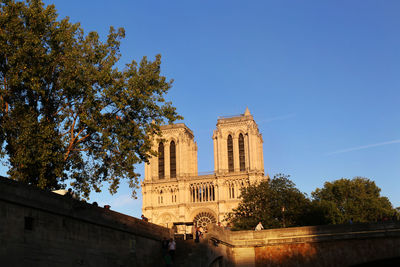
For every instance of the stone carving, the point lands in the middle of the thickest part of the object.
(203, 219)
(202, 198)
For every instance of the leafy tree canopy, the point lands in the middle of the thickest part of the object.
(357, 199)
(275, 202)
(66, 111)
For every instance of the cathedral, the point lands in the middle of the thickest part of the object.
(174, 192)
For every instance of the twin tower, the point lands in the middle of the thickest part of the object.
(174, 192)
(238, 147)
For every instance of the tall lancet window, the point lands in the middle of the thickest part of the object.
(172, 159)
(230, 154)
(242, 160)
(161, 172)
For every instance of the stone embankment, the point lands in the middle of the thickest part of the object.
(40, 228)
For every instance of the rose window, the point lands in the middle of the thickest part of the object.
(204, 218)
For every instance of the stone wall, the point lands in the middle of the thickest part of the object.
(39, 228)
(329, 245)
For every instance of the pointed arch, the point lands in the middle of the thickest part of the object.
(242, 158)
(161, 170)
(230, 153)
(172, 159)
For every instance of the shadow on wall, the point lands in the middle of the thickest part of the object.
(47, 229)
(393, 262)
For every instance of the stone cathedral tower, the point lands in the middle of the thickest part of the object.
(174, 192)
(238, 145)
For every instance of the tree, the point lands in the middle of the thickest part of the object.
(397, 214)
(275, 202)
(66, 111)
(357, 199)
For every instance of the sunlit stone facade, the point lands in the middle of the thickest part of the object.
(173, 190)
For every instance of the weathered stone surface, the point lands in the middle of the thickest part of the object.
(174, 192)
(329, 245)
(40, 228)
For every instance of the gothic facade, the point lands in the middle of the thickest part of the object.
(173, 191)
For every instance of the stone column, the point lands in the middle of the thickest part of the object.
(219, 153)
(180, 158)
(260, 154)
(147, 173)
(254, 150)
(144, 193)
(181, 194)
(167, 160)
(249, 150)
(185, 156)
(246, 151)
(236, 166)
(194, 159)
(224, 153)
(154, 167)
(223, 191)
(215, 153)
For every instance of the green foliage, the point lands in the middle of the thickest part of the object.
(66, 111)
(275, 202)
(336, 203)
(357, 199)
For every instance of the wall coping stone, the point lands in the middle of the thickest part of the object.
(305, 234)
(24, 195)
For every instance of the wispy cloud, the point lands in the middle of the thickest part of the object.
(278, 118)
(364, 147)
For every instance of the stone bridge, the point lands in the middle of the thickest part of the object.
(376, 244)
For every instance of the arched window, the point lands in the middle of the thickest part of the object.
(231, 190)
(172, 159)
(242, 160)
(230, 154)
(161, 172)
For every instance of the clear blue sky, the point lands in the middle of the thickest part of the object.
(321, 78)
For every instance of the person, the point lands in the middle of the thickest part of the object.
(69, 194)
(171, 248)
(164, 245)
(196, 234)
(201, 231)
(259, 227)
(144, 218)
